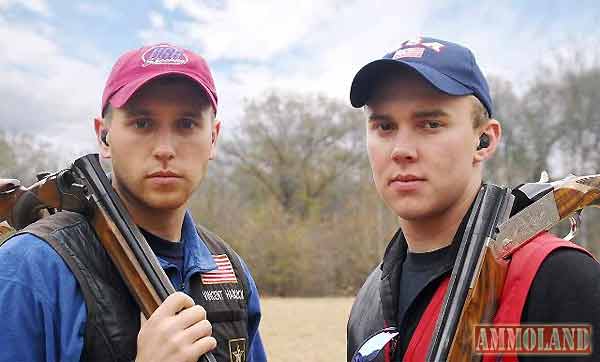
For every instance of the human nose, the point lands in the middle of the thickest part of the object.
(164, 149)
(404, 149)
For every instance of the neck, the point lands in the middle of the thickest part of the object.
(164, 223)
(434, 232)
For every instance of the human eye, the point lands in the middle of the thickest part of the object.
(432, 124)
(382, 125)
(186, 123)
(142, 123)
(386, 126)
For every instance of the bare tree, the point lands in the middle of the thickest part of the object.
(580, 91)
(512, 161)
(297, 146)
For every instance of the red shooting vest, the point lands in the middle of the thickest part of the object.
(522, 269)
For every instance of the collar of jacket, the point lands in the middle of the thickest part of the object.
(197, 256)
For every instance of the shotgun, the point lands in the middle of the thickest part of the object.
(501, 221)
(84, 188)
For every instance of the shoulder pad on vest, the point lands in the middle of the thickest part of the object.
(366, 316)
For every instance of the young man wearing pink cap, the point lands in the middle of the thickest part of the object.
(61, 299)
(429, 131)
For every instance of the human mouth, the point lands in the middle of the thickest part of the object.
(164, 177)
(405, 182)
(164, 173)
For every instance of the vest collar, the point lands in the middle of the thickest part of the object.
(391, 269)
(393, 258)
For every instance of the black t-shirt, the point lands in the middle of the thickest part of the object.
(418, 270)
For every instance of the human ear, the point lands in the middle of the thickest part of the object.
(215, 129)
(489, 138)
(101, 129)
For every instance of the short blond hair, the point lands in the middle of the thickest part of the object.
(479, 113)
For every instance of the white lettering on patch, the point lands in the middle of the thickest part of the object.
(212, 295)
(237, 294)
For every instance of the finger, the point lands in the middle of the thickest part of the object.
(190, 316)
(142, 319)
(198, 331)
(203, 345)
(173, 305)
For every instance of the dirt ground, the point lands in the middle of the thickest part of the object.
(305, 329)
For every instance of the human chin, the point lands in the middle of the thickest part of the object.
(167, 196)
(164, 201)
(408, 211)
(404, 206)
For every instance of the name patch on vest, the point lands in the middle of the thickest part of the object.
(223, 274)
(217, 295)
(237, 350)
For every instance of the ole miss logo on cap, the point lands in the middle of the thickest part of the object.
(164, 54)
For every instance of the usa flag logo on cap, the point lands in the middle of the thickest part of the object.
(223, 274)
(164, 54)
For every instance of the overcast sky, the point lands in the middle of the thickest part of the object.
(56, 55)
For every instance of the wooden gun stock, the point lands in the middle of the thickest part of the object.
(576, 193)
(480, 306)
(21, 206)
(8, 196)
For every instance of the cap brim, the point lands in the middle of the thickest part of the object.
(367, 77)
(122, 95)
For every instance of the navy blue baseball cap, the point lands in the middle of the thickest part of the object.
(449, 67)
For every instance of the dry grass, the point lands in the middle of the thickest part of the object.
(305, 329)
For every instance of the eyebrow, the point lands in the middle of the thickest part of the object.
(380, 117)
(430, 113)
(132, 112)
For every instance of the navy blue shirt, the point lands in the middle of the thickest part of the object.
(172, 254)
(42, 310)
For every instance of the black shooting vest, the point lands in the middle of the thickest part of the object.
(113, 317)
(375, 307)
(376, 304)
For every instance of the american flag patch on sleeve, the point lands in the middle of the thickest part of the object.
(223, 274)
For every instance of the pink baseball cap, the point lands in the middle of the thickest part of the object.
(136, 67)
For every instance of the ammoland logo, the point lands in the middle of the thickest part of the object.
(533, 339)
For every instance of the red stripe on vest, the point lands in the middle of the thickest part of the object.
(421, 338)
(522, 269)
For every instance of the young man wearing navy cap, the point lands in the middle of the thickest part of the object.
(429, 131)
(61, 298)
